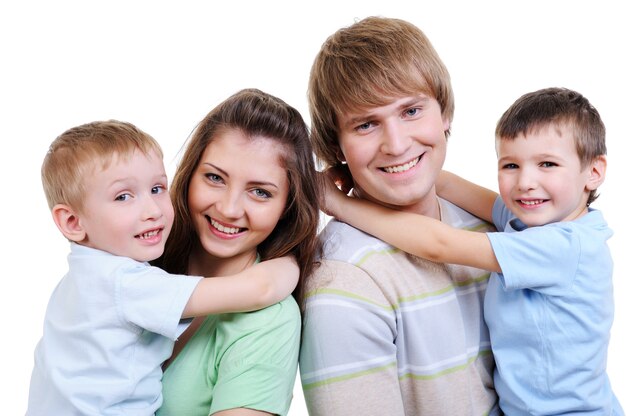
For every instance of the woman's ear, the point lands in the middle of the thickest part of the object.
(68, 223)
(340, 157)
(597, 173)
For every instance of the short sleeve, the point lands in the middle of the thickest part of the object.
(152, 299)
(500, 214)
(543, 259)
(259, 359)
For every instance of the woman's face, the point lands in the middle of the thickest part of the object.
(237, 194)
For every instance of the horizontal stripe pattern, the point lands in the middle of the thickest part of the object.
(373, 312)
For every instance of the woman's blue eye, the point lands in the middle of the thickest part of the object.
(261, 193)
(411, 111)
(213, 177)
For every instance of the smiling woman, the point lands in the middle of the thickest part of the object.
(243, 192)
(237, 194)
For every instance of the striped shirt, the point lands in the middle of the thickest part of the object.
(388, 333)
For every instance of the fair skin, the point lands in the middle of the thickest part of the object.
(395, 152)
(541, 181)
(127, 212)
(237, 195)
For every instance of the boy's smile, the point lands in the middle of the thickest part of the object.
(540, 176)
(127, 209)
(395, 152)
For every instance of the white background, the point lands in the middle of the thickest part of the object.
(164, 65)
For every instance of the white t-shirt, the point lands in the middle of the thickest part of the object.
(110, 324)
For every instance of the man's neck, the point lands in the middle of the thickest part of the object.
(428, 206)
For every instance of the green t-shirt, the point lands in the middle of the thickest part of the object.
(236, 360)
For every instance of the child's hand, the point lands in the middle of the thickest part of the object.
(341, 176)
(335, 185)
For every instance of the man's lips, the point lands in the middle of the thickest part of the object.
(404, 167)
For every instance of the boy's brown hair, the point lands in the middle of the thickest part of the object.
(561, 108)
(368, 64)
(78, 151)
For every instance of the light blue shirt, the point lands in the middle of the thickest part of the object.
(549, 314)
(110, 324)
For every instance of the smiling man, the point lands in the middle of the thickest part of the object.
(386, 332)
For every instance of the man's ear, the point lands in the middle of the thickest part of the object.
(446, 124)
(68, 223)
(597, 173)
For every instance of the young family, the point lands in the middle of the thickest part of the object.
(202, 298)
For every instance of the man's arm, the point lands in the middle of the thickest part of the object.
(471, 197)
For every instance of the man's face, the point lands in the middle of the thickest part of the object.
(395, 152)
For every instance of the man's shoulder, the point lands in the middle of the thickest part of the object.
(342, 242)
(459, 218)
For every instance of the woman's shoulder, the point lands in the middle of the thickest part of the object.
(285, 313)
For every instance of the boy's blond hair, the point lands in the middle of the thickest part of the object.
(78, 151)
(561, 108)
(369, 64)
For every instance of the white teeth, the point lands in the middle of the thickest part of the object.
(148, 234)
(221, 228)
(534, 202)
(401, 168)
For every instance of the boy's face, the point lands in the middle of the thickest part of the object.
(540, 176)
(127, 210)
(395, 152)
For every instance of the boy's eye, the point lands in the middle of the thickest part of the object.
(510, 166)
(157, 189)
(547, 164)
(122, 197)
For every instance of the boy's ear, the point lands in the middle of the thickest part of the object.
(597, 172)
(68, 223)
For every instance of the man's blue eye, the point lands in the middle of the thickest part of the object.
(364, 126)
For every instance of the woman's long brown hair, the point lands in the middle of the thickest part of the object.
(255, 114)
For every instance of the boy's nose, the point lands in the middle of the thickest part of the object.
(526, 180)
(151, 209)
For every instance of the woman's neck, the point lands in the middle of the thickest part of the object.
(205, 264)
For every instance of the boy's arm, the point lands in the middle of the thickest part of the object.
(255, 288)
(415, 234)
(471, 197)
